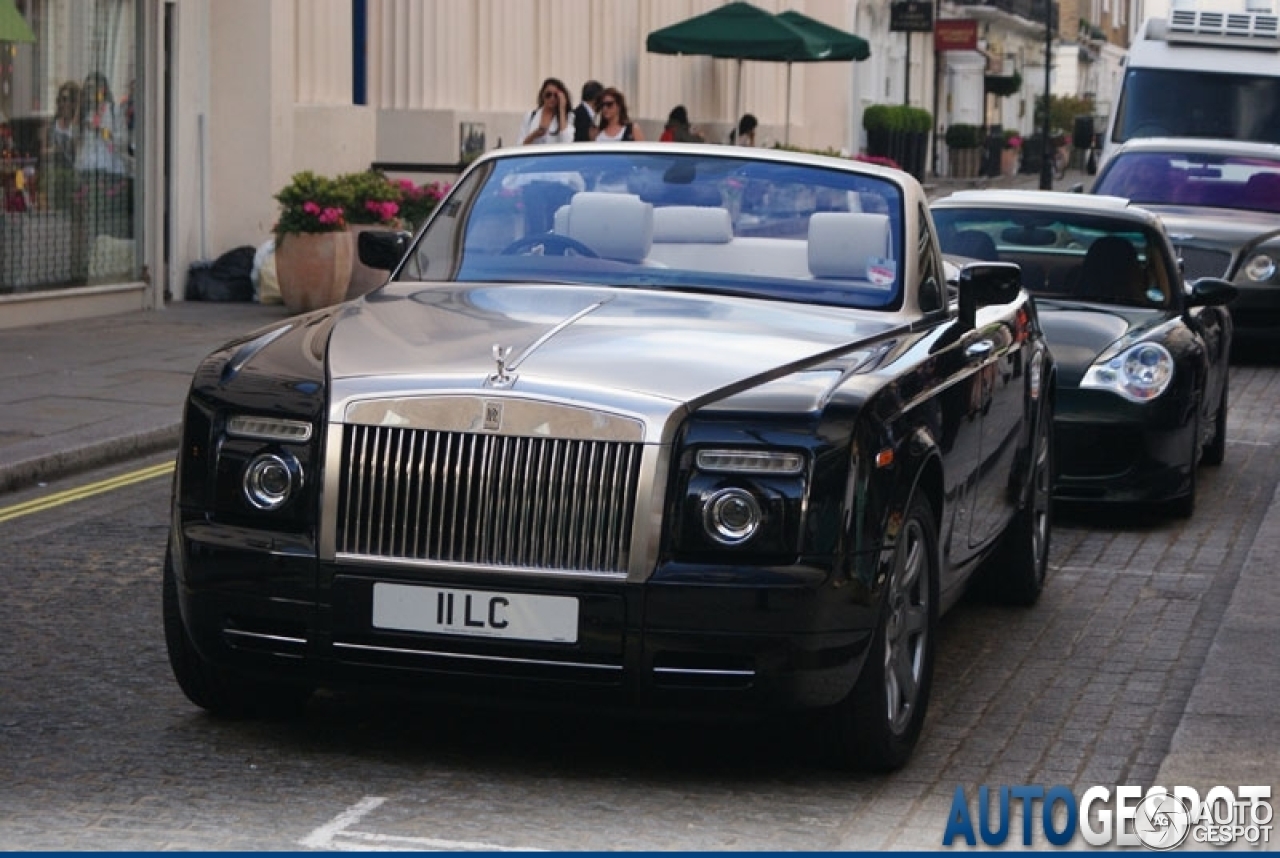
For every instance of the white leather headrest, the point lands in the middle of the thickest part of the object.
(692, 225)
(845, 244)
(616, 226)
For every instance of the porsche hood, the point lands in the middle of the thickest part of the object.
(569, 341)
(1077, 334)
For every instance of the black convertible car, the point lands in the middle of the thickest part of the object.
(1142, 356)
(655, 425)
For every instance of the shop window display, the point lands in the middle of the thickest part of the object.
(67, 147)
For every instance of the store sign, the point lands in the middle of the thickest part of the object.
(911, 16)
(954, 35)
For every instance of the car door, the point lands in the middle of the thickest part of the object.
(999, 353)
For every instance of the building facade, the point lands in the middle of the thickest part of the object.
(212, 105)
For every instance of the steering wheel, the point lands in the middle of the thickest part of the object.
(552, 243)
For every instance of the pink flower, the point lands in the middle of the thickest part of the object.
(331, 215)
(384, 209)
(311, 208)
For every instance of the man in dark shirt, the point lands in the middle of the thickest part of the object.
(584, 115)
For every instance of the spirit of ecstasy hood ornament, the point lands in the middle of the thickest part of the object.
(501, 378)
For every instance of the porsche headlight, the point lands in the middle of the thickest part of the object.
(1260, 268)
(1139, 373)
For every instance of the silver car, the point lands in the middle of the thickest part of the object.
(1220, 202)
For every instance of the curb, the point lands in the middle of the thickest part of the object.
(43, 467)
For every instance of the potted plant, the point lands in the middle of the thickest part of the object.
(369, 201)
(313, 247)
(963, 150)
(1011, 153)
(417, 202)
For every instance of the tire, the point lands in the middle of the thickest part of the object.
(1216, 450)
(1015, 575)
(211, 688)
(877, 726)
(1185, 506)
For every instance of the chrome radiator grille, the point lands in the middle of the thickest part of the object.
(487, 500)
(1203, 262)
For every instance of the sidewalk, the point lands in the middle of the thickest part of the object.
(74, 395)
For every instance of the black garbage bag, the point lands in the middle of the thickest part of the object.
(227, 278)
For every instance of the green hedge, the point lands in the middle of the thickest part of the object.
(896, 117)
(962, 136)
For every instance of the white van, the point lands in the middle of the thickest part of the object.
(1201, 73)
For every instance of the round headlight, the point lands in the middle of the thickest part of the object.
(731, 516)
(1139, 374)
(1260, 268)
(1147, 369)
(270, 479)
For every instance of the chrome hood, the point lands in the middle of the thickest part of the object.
(1078, 334)
(1225, 227)
(580, 343)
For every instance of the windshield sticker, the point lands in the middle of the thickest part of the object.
(881, 271)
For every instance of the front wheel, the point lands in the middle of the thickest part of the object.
(1216, 450)
(1015, 575)
(876, 727)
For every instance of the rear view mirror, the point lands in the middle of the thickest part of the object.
(985, 283)
(382, 248)
(1211, 292)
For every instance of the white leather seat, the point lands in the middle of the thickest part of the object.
(843, 244)
(616, 226)
(692, 225)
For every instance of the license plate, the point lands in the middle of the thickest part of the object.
(478, 613)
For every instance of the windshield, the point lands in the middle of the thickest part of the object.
(1193, 179)
(707, 222)
(1195, 103)
(1078, 257)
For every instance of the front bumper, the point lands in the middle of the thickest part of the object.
(1255, 312)
(778, 639)
(1111, 450)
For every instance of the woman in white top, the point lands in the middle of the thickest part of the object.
(550, 122)
(615, 123)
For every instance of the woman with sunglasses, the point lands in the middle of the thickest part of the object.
(615, 123)
(61, 142)
(549, 122)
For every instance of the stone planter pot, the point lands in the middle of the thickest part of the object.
(1009, 162)
(313, 269)
(964, 162)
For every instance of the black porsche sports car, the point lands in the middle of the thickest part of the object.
(1142, 356)
(656, 425)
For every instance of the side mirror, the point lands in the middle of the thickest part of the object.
(985, 283)
(382, 248)
(1211, 292)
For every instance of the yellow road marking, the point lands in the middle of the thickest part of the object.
(64, 497)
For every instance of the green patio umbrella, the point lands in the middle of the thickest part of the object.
(741, 31)
(844, 46)
(13, 27)
(738, 31)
